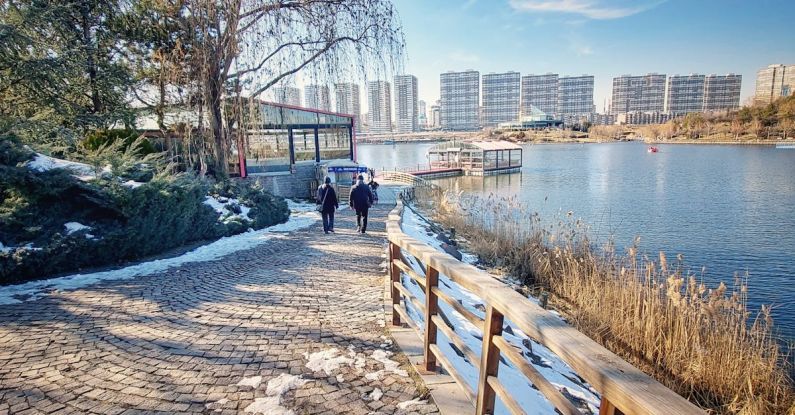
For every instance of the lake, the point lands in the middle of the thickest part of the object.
(728, 209)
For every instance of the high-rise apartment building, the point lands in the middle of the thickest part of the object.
(436, 115)
(347, 99)
(722, 92)
(460, 99)
(422, 118)
(575, 98)
(684, 94)
(501, 98)
(317, 97)
(287, 95)
(540, 91)
(638, 93)
(774, 82)
(379, 101)
(406, 106)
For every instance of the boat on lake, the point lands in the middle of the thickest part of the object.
(653, 149)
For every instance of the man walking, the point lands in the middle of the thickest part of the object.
(360, 199)
(327, 204)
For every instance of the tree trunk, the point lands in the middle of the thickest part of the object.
(213, 94)
(91, 67)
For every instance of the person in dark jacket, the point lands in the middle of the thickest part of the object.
(327, 199)
(360, 199)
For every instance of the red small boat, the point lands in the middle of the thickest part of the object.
(653, 149)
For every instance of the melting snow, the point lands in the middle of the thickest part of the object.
(216, 406)
(283, 383)
(302, 216)
(224, 209)
(132, 184)
(72, 227)
(270, 405)
(376, 394)
(415, 401)
(328, 361)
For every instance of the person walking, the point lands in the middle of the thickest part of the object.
(327, 203)
(374, 189)
(360, 199)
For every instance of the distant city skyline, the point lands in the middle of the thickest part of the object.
(605, 39)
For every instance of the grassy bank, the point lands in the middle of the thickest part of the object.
(702, 342)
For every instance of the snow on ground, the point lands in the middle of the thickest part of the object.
(283, 383)
(376, 394)
(389, 365)
(555, 370)
(72, 227)
(327, 361)
(415, 401)
(303, 215)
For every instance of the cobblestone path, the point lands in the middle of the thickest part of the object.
(294, 325)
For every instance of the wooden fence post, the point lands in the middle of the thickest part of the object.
(431, 309)
(489, 361)
(394, 255)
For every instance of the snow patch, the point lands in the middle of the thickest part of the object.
(216, 406)
(253, 381)
(72, 227)
(389, 364)
(132, 184)
(43, 163)
(283, 383)
(270, 405)
(225, 208)
(303, 215)
(327, 361)
(376, 394)
(415, 401)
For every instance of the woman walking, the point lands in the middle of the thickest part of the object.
(327, 203)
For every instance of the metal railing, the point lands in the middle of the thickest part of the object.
(624, 389)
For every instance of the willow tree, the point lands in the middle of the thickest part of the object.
(243, 47)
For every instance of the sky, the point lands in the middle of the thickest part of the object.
(604, 38)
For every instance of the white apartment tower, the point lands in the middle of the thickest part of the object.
(575, 98)
(406, 106)
(684, 94)
(644, 93)
(460, 99)
(436, 115)
(317, 97)
(774, 82)
(722, 92)
(501, 98)
(287, 95)
(540, 91)
(422, 118)
(348, 101)
(379, 101)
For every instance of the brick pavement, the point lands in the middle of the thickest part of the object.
(181, 341)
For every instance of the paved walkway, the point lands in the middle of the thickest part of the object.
(181, 342)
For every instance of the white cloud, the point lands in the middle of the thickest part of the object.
(592, 9)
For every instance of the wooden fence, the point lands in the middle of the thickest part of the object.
(624, 388)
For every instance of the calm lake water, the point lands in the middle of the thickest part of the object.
(728, 209)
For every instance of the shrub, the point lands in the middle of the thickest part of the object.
(124, 138)
(126, 222)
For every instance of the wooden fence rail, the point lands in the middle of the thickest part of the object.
(624, 388)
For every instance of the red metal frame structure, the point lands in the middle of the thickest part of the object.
(241, 151)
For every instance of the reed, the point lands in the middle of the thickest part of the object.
(702, 342)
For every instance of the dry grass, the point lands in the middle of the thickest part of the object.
(702, 342)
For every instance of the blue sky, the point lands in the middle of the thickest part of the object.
(604, 38)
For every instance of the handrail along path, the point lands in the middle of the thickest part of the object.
(624, 389)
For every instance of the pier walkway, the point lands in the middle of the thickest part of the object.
(295, 325)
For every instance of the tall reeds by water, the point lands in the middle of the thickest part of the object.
(703, 342)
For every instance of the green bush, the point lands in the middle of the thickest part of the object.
(126, 222)
(125, 138)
